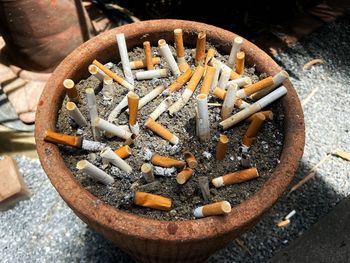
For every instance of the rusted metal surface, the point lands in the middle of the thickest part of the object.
(149, 240)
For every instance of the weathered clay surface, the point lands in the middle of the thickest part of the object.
(149, 240)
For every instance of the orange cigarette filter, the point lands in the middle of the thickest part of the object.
(180, 81)
(219, 93)
(179, 44)
(264, 83)
(200, 48)
(123, 152)
(109, 72)
(71, 90)
(240, 57)
(221, 147)
(133, 104)
(218, 208)
(236, 177)
(283, 223)
(148, 55)
(268, 115)
(183, 176)
(208, 79)
(161, 131)
(234, 75)
(74, 141)
(167, 162)
(253, 129)
(190, 160)
(196, 77)
(152, 201)
(138, 64)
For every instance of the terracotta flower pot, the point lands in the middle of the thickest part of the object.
(148, 240)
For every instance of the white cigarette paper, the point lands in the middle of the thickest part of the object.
(241, 81)
(123, 52)
(150, 96)
(91, 103)
(292, 213)
(162, 107)
(111, 128)
(255, 107)
(236, 47)
(151, 74)
(203, 118)
(147, 172)
(95, 71)
(75, 114)
(135, 129)
(94, 172)
(178, 105)
(277, 81)
(165, 52)
(229, 102)
(118, 109)
(224, 78)
(113, 158)
(215, 81)
(108, 88)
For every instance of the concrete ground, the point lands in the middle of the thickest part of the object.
(44, 229)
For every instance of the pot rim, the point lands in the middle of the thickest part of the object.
(89, 208)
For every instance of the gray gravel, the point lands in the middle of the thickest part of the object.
(43, 229)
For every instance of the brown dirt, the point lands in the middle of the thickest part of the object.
(264, 152)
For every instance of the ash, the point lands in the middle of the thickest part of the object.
(264, 153)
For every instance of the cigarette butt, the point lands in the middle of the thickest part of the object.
(130, 140)
(161, 131)
(221, 147)
(290, 215)
(152, 201)
(234, 75)
(133, 104)
(250, 89)
(190, 160)
(183, 176)
(113, 75)
(283, 223)
(75, 114)
(110, 156)
(94, 172)
(139, 64)
(148, 55)
(183, 66)
(235, 178)
(123, 152)
(208, 79)
(167, 162)
(218, 208)
(240, 62)
(95, 71)
(203, 183)
(236, 46)
(268, 115)
(71, 90)
(241, 104)
(342, 154)
(200, 48)
(180, 81)
(165, 51)
(219, 93)
(147, 172)
(179, 44)
(151, 74)
(210, 53)
(253, 129)
(196, 77)
(69, 140)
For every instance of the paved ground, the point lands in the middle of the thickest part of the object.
(43, 229)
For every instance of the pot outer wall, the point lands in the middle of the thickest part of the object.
(148, 240)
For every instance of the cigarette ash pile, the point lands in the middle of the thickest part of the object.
(182, 140)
